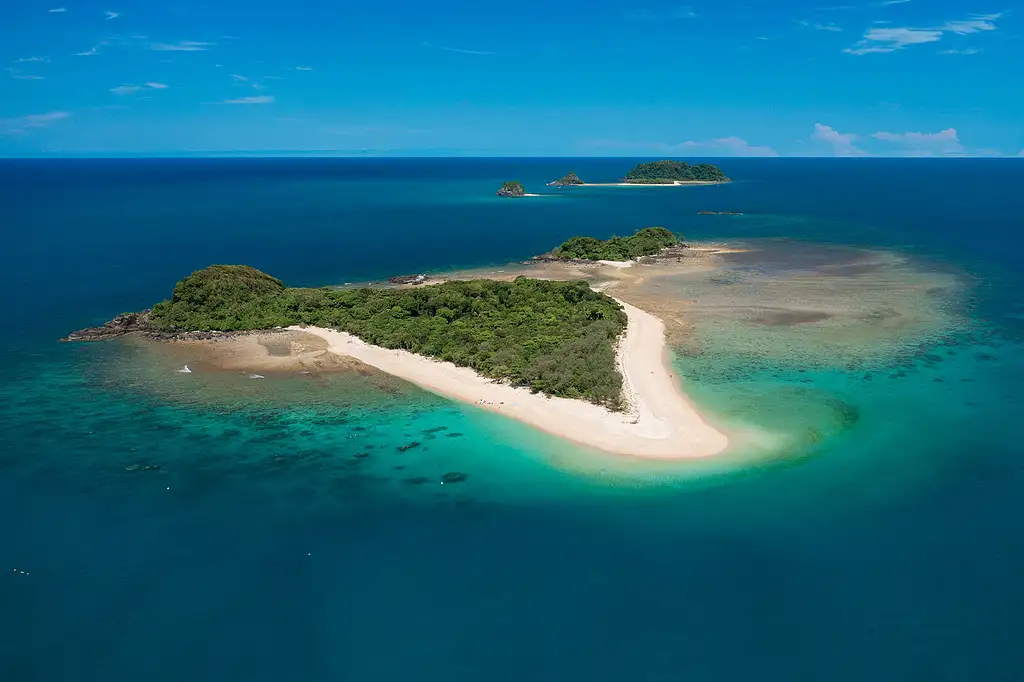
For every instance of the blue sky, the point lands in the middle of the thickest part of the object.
(723, 78)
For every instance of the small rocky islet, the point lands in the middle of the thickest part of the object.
(567, 180)
(512, 189)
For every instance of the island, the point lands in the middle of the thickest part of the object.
(674, 173)
(556, 355)
(645, 242)
(512, 189)
(719, 213)
(567, 180)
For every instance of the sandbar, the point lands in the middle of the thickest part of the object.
(659, 423)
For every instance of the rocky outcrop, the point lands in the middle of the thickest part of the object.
(512, 189)
(139, 324)
(567, 180)
(408, 279)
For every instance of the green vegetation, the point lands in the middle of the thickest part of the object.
(567, 179)
(512, 189)
(554, 337)
(666, 172)
(645, 242)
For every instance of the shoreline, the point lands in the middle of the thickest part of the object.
(674, 183)
(660, 422)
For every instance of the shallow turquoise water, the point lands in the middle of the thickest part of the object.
(883, 541)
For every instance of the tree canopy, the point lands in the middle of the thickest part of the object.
(645, 242)
(661, 172)
(553, 337)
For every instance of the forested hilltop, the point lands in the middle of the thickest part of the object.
(553, 337)
(667, 172)
(645, 242)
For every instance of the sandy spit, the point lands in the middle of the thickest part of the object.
(660, 422)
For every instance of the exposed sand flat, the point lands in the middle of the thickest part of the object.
(660, 423)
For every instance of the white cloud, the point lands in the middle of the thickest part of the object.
(965, 51)
(258, 99)
(892, 39)
(842, 143)
(976, 24)
(895, 2)
(88, 53)
(26, 60)
(303, 68)
(821, 27)
(129, 89)
(182, 46)
(454, 49)
(112, 15)
(124, 90)
(924, 144)
(17, 126)
(684, 13)
(15, 73)
(881, 40)
(731, 146)
(57, 10)
(236, 77)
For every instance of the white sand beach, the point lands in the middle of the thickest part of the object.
(675, 183)
(660, 422)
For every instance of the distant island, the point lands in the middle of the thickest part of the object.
(567, 180)
(645, 242)
(719, 213)
(512, 189)
(674, 172)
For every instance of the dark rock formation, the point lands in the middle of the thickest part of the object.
(718, 213)
(408, 446)
(512, 189)
(566, 180)
(139, 323)
(454, 477)
(408, 279)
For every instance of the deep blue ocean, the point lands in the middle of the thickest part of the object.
(256, 548)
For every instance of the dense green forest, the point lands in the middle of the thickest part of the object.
(661, 172)
(645, 242)
(554, 337)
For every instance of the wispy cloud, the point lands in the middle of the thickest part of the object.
(182, 46)
(112, 15)
(721, 146)
(965, 51)
(454, 49)
(943, 143)
(129, 89)
(16, 73)
(303, 68)
(26, 60)
(881, 40)
(684, 13)
(817, 26)
(237, 77)
(57, 10)
(257, 99)
(842, 144)
(886, 3)
(19, 126)
(88, 53)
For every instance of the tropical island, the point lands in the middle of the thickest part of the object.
(568, 180)
(646, 242)
(674, 172)
(554, 354)
(511, 189)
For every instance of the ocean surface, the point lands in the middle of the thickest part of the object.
(159, 526)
